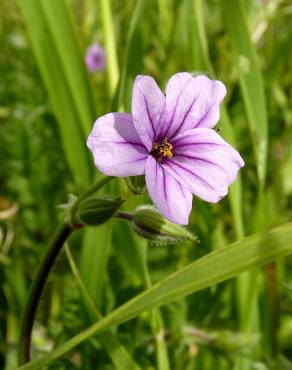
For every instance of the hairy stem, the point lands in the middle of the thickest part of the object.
(53, 249)
(54, 246)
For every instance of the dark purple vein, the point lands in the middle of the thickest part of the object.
(176, 103)
(185, 116)
(192, 173)
(202, 160)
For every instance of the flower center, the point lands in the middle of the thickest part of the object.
(161, 150)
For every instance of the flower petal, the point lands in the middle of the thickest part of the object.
(171, 198)
(95, 58)
(116, 146)
(204, 163)
(191, 102)
(147, 107)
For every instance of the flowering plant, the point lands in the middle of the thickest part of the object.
(168, 138)
(171, 140)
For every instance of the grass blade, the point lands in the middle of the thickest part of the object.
(119, 355)
(235, 192)
(60, 92)
(97, 241)
(252, 87)
(59, 21)
(110, 45)
(250, 79)
(137, 14)
(225, 263)
(93, 259)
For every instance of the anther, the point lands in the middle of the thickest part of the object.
(161, 150)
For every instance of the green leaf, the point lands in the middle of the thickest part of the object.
(119, 355)
(94, 258)
(63, 74)
(250, 79)
(157, 325)
(137, 14)
(220, 265)
(94, 254)
(58, 18)
(202, 49)
(110, 44)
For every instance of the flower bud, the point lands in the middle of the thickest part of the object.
(150, 224)
(96, 211)
(136, 184)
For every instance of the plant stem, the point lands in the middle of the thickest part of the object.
(53, 249)
(54, 246)
(124, 215)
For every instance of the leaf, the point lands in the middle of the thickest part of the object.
(65, 85)
(250, 79)
(137, 14)
(94, 259)
(110, 44)
(235, 192)
(220, 265)
(59, 22)
(119, 355)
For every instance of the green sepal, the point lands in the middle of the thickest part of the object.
(97, 210)
(136, 184)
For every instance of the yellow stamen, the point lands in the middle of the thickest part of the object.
(162, 150)
(165, 149)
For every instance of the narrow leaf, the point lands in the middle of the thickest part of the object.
(235, 193)
(250, 79)
(119, 355)
(220, 265)
(110, 44)
(53, 73)
(66, 43)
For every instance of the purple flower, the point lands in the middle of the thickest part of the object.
(95, 58)
(170, 140)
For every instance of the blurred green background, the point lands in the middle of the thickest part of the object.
(48, 103)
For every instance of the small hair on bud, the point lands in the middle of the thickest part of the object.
(150, 224)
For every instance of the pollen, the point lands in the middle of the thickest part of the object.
(161, 150)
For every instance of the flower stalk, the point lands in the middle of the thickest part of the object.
(54, 246)
(124, 215)
(53, 249)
